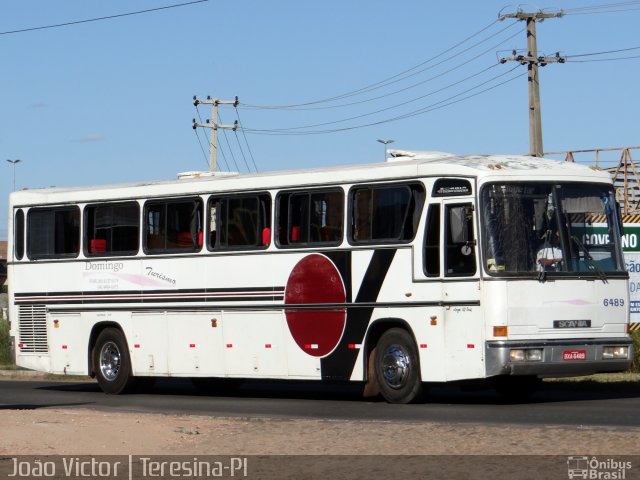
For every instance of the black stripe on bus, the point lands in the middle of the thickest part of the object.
(262, 307)
(340, 363)
(106, 304)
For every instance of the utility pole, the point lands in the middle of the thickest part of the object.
(533, 61)
(214, 126)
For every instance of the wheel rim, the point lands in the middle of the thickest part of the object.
(110, 361)
(396, 366)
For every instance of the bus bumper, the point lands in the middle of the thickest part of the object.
(557, 357)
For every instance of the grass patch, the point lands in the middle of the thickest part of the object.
(10, 366)
(635, 367)
(5, 357)
(625, 382)
(624, 377)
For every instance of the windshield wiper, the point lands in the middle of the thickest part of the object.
(589, 260)
(542, 275)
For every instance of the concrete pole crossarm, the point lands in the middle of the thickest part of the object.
(233, 126)
(528, 15)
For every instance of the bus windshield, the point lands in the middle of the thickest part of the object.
(550, 228)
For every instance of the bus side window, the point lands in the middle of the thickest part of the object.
(432, 242)
(112, 229)
(53, 232)
(460, 242)
(240, 222)
(310, 218)
(19, 234)
(173, 225)
(385, 213)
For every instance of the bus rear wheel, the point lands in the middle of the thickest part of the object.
(112, 363)
(397, 368)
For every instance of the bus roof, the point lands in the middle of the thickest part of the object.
(402, 164)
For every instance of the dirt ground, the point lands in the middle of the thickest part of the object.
(51, 431)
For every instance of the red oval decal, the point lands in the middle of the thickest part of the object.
(315, 281)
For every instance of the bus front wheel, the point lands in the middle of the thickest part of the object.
(112, 363)
(396, 367)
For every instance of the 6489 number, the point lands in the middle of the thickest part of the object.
(613, 302)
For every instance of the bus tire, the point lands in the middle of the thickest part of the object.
(397, 368)
(112, 363)
(516, 388)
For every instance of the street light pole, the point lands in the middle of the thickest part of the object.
(14, 162)
(385, 143)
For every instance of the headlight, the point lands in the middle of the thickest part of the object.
(615, 352)
(525, 355)
(516, 355)
(534, 355)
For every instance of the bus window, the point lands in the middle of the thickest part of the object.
(173, 225)
(385, 213)
(240, 222)
(18, 238)
(112, 229)
(460, 256)
(53, 232)
(432, 242)
(310, 218)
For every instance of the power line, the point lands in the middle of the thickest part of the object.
(429, 108)
(392, 79)
(396, 105)
(233, 157)
(602, 53)
(604, 5)
(224, 158)
(246, 141)
(603, 59)
(242, 152)
(202, 148)
(414, 85)
(198, 137)
(603, 8)
(109, 17)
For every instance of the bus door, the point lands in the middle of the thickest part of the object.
(463, 329)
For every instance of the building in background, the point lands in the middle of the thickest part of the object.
(3, 262)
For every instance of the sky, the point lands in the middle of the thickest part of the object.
(110, 101)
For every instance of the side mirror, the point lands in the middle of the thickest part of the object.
(460, 219)
(620, 224)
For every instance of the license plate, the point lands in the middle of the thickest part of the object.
(574, 355)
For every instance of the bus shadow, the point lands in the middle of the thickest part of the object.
(557, 391)
(455, 393)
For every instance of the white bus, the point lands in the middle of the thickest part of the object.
(426, 268)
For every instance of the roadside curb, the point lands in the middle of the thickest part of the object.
(33, 375)
(20, 374)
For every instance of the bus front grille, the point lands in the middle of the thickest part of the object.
(32, 330)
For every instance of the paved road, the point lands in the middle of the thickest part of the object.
(555, 404)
